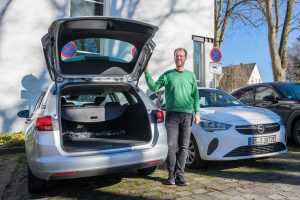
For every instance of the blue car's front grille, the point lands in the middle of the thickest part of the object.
(256, 150)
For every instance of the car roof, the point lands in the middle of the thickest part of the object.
(266, 84)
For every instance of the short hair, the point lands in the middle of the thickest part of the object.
(180, 49)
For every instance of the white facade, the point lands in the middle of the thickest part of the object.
(255, 76)
(23, 23)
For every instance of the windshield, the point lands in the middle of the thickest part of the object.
(98, 49)
(216, 98)
(289, 91)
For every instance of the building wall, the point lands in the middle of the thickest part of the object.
(177, 22)
(255, 76)
(23, 23)
(23, 69)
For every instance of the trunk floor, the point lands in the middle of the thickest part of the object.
(92, 144)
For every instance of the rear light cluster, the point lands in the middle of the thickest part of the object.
(160, 116)
(44, 123)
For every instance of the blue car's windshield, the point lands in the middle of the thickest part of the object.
(216, 98)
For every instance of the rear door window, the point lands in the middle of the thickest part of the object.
(245, 94)
(262, 92)
(38, 103)
(121, 98)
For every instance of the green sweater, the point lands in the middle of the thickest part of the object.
(181, 91)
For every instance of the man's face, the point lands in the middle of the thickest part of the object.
(179, 58)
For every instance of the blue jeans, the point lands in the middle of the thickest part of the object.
(178, 126)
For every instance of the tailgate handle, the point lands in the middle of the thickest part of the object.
(94, 117)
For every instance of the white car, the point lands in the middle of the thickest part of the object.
(231, 131)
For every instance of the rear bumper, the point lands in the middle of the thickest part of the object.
(66, 167)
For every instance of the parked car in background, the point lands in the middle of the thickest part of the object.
(93, 119)
(229, 130)
(281, 98)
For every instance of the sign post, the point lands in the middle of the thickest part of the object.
(215, 66)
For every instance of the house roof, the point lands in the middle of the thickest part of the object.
(235, 76)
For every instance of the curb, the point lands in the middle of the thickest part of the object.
(12, 150)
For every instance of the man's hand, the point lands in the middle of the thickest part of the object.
(146, 68)
(197, 119)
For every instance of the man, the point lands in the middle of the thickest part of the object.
(182, 101)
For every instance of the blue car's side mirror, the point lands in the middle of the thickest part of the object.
(24, 114)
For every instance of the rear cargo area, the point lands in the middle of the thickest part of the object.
(102, 117)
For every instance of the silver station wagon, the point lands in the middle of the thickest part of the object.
(93, 119)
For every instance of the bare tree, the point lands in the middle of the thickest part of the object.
(278, 55)
(224, 9)
(257, 13)
(293, 69)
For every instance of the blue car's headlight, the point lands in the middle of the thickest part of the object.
(211, 126)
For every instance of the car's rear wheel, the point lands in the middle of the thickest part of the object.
(35, 185)
(194, 160)
(147, 171)
(296, 133)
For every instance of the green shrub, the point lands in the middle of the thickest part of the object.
(12, 139)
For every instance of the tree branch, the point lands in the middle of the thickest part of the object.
(285, 33)
(277, 16)
(227, 14)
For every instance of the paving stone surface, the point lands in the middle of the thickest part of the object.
(271, 179)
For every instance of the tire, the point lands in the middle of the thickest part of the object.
(194, 160)
(296, 133)
(35, 185)
(147, 171)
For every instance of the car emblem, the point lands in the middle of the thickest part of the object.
(260, 128)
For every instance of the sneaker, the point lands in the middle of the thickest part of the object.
(171, 179)
(180, 180)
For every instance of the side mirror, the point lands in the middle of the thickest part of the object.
(270, 98)
(24, 114)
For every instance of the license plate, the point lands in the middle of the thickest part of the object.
(262, 140)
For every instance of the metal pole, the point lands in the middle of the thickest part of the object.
(215, 80)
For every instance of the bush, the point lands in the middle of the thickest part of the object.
(12, 139)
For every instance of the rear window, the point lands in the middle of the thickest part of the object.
(98, 49)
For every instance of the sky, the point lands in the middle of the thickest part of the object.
(246, 45)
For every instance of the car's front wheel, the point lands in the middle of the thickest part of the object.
(35, 185)
(147, 171)
(194, 160)
(296, 133)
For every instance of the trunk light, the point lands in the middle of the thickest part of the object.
(64, 173)
(44, 123)
(160, 116)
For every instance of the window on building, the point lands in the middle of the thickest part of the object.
(198, 62)
(89, 8)
(199, 57)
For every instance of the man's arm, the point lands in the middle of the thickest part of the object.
(196, 104)
(154, 86)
